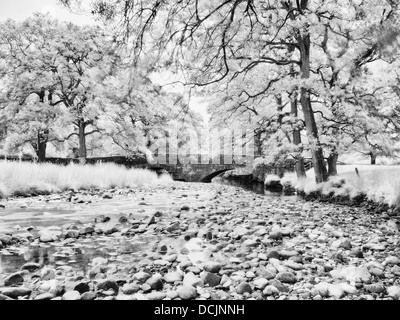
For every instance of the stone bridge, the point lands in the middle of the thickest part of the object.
(199, 168)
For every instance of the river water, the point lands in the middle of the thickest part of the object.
(55, 211)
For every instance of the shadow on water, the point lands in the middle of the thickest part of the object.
(256, 187)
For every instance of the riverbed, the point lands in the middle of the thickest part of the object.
(194, 241)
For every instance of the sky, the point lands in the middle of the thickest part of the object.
(22, 9)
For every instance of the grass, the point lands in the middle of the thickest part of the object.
(380, 183)
(24, 178)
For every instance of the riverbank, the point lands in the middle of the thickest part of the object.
(25, 179)
(202, 241)
(376, 188)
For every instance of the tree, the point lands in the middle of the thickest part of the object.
(215, 41)
(62, 64)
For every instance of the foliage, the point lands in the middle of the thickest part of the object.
(24, 177)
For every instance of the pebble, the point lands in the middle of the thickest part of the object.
(394, 292)
(107, 285)
(243, 288)
(71, 295)
(155, 282)
(260, 283)
(286, 277)
(187, 292)
(210, 279)
(173, 277)
(15, 279)
(191, 280)
(15, 292)
(213, 267)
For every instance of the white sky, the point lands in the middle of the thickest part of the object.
(22, 9)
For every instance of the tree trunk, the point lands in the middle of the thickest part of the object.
(41, 145)
(82, 140)
(321, 174)
(279, 109)
(373, 157)
(258, 143)
(332, 164)
(300, 169)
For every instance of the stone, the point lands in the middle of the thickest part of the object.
(342, 243)
(270, 290)
(46, 235)
(15, 292)
(6, 240)
(86, 230)
(107, 285)
(375, 288)
(171, 258)
(45, 296)
(322, 289)
(145, 287)
(394, 292)
(212, 267)
(279, 285)
(173, 227)
(275, 235)
(172, 295)
(250, 243)
(82, 287)
(3, 297)
(356, 274)
(155, 282)
(392, 260)
(357, 253)
(190, 279)
(187, 292)
(15, 279)
(71, 295)
(395, 270)
(293, 265)
(272, 254)
(287, 254)
(172, 277)
(185, 264)
(240, 231)
(130, 288)
(141, 276)
(31, 266)
(195, 270)
(210, 279)
(260, 283)
(336, 291)
(244, 287)
(286, 277)
(47, 274)
(156, 296)
(51, 286)
(73, 234)
(267, 273)
(88, 296)
(348, 288)
(377, 272)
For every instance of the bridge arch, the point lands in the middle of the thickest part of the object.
(209, 177)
